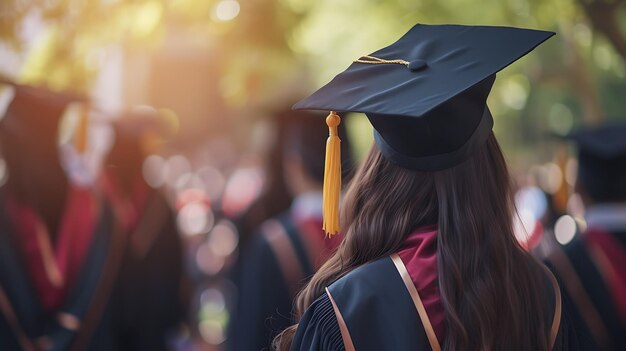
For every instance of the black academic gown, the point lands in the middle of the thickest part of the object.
(23, 323)
(267, 285)
(147, 303)
(371, 308)
(594, 318)
(125, 298)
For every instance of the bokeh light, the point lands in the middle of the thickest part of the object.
(560, 119)
(241, 188)
(213, 180)
(176, 166)
(226, 10)
(207, 261)
(514, 91)
(565, 229)
(576, 206)
(213, 301)
(532, 199)
(154, 170)
(551, 178)
(4, 172)
(195, 218)
(223, 239)
(6, 96)
(213, 315)
(189, 181)
(524, 225)
(213, 332)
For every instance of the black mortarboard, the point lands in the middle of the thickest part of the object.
(28, 135)
(139, 132)
(606, 141)
(426, 93)
(602, 161)
(35, 112)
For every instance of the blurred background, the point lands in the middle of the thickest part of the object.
(219, 70)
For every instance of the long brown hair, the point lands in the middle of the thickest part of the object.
(493, 291)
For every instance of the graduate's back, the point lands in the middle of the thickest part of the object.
(429, 261)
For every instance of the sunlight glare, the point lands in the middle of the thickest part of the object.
(227, 10)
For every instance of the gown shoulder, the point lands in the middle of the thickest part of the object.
(372, 305)
(318, 329)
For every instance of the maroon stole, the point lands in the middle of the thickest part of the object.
(53, 269)
(419, 256)
(610, 257)
(318, 248)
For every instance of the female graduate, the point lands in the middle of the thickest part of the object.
(429, 260)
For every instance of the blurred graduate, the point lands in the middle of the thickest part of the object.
(287, 249)
(591, 267)
(275, 197)
(60, 247)
(74, 275)
(148, 300)
(429, 260)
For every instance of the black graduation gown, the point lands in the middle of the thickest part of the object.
(23, 323)
(371, 308)
(126, 296)
(147, 302)
(267, 286)
(593, 316)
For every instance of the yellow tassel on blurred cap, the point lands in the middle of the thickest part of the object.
(332, 176)
(82, 129)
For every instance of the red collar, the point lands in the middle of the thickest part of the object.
(610, 256)
(53, 269)
(419, 255)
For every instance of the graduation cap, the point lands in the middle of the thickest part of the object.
(34, 112)
(602, 160)
(139, 131)
(425, 96)
(28, 135)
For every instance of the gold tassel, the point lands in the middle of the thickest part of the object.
(80, 136)
(332, 176)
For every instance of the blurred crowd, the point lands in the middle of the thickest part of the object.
(109, 242)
